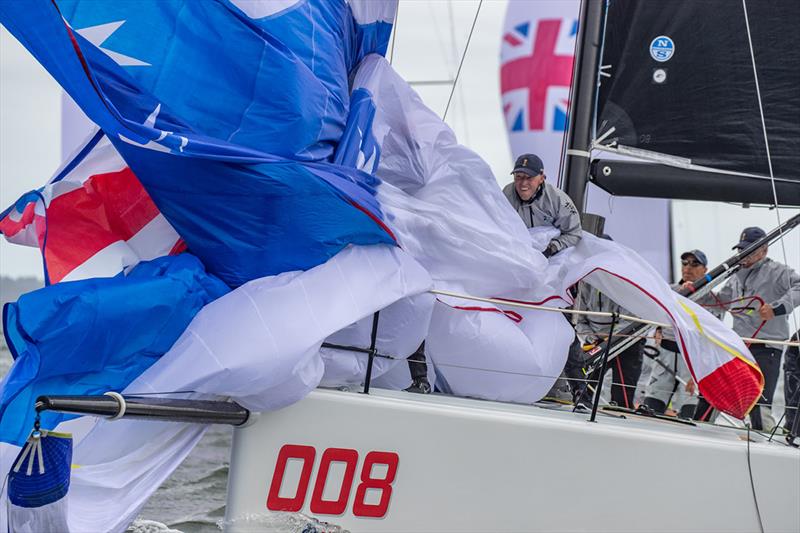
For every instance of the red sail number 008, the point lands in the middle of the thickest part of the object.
(349, 457)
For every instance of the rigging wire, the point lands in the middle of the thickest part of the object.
(438, 32)
(461, 63)
(394, 32)
(453, 48)
(769, 155)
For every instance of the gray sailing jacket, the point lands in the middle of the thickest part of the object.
(549, 207)
(776, 284)
(591, 299)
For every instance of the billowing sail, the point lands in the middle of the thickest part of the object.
(685, 83)
(399, 207)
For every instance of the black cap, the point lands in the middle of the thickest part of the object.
(698, 254)
(749, 236)
(529, 164)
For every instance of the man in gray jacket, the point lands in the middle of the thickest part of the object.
(760, 297)
(664, 385)
(540, 204)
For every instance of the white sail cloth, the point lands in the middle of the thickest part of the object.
(261, 344)
(447, 211)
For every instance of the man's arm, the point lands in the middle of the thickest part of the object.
(790, 280)
(718, 306)
(569, 222)
(582, 326)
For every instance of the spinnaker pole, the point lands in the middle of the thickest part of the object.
(631, 334)
(115, 406)
(583, 98)
(734, 262)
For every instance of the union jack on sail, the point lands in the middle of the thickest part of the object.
(92, 219)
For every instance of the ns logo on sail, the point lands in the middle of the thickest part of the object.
(662, 48)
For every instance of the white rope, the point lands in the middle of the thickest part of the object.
(769, 155)
(629, 318)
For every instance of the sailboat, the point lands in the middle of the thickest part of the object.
(672, 92)
(372, 459)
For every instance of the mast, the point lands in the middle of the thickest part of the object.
(575, 171)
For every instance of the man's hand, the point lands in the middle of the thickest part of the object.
(767, 312)
(688, 286)
(590, 342)
(691, 386)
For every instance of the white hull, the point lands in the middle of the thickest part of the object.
(470, 465)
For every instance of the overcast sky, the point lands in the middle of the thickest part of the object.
(430, 38)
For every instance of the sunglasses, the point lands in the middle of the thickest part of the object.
(686, 262)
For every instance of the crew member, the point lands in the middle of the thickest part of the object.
(627, 367)
(670, 369)
(540, 204)
(760, 296)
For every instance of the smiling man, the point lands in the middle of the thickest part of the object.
(540, 204)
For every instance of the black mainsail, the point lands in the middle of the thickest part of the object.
(684, 85)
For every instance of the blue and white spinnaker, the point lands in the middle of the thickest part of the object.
(305, 173)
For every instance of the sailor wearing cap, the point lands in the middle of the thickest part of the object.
(760, 296)
(540, 204)
(670, 379)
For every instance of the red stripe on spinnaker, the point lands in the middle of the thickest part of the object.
(516, 317)
(733, 387)
(375, 219)
(107, 208)
(178, 248)
(10, 227)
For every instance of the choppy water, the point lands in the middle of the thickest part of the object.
(192, 500)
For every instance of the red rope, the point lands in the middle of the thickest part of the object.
(741, 311)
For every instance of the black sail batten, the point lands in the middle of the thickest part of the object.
(700, 103)
(652, 180)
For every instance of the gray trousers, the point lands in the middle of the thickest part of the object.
(664, 387)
